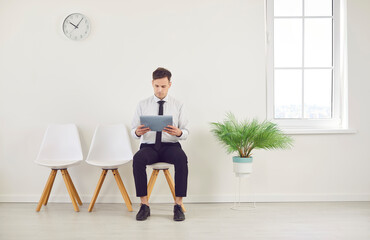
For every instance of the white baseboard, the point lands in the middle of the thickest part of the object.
(199, 198)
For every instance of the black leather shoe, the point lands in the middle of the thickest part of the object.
(178, 214)
(143, 213)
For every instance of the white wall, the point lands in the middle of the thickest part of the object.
(215, 50)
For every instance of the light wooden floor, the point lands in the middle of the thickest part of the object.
(344, 220)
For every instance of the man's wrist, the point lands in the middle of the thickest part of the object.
(179, 135)
(137, 135)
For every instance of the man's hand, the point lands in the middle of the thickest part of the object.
(141, 130)
(172, 130)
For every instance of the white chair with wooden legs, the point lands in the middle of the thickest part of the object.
(110, 148)
(60, 149)
(156, 168)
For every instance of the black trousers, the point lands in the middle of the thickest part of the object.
(169, 153)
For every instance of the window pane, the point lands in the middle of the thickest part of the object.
(288, 7)
(288, 93)
(318, 8)
(317, 93)
(318, 43)
(288, 42)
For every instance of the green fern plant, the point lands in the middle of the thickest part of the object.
(245, 136)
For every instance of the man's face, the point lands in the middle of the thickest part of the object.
(160, 87)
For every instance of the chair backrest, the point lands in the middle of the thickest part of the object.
(110, 143)
(61, 142)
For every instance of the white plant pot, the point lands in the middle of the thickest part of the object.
(242, 166)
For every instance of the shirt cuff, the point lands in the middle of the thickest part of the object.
(184, 134)
(133, 133)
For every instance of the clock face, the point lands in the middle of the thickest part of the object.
(76, 26)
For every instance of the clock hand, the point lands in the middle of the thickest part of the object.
(79, 22)
(74, 25)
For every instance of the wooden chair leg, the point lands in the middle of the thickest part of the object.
(54, 173)
(151, 182)
(69, 188)
(46, 190)
(170, 182)
(122, 188)
(74, 191)
(172, 186)
(97, 189)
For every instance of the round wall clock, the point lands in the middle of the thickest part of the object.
(76, 26)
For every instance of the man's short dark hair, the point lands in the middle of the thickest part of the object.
(161, 73)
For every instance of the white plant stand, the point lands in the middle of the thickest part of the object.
(238, 206)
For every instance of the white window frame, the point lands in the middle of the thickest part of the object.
(339, 121)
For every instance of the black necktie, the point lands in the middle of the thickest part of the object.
(158, 136)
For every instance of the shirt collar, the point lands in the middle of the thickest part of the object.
(156, 99)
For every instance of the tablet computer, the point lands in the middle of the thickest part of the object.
(156, 123)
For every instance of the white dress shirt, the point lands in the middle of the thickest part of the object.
(172, 107)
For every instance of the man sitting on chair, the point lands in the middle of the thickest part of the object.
(160, 146)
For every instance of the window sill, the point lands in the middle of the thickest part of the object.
(307, 131)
